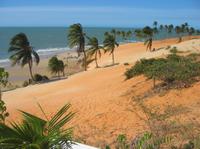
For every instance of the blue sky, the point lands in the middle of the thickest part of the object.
(104, 13)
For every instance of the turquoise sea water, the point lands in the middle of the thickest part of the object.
(48, 40)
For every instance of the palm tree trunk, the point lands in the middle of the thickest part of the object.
(113, 58)
(85, 61)
(58, 74)
(96, 60)
(30, 70)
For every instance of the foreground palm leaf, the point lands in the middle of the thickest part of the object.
(37, 133)
(22, 52)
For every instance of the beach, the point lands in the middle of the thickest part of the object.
(102, 98)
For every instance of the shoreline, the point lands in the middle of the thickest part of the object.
(18, 74)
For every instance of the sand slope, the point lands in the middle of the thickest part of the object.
(102, 98)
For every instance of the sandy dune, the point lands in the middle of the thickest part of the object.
(102, 98)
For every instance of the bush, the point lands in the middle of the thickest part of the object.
(174, 69)
(38, 77)
(25, 84)
(45, 78)
(126, 64)
(174, 50)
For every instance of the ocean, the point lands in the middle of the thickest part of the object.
(52, 40)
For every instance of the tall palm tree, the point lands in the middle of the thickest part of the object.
(22, 52)
(76, 38)
(37, 133)
(109, 45)
(94, 49)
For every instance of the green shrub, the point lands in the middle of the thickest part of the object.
(38, 77)
(126, 64)
(25, 84)
(174, 50)
(3, 112)
(122, 142)
(179, 70)
(45, 78)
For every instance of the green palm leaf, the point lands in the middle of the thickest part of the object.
(36, 133)
(22, 52)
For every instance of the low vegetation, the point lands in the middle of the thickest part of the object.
(3, 82)
(173, 71)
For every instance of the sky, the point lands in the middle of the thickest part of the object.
(98, 13)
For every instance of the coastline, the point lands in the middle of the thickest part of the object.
(18, 74)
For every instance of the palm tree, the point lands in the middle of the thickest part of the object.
(56, 66)
(128, 34)
(138, 33)
(94, 49)
(161, 27)
(106, 33)
(76, 38)
(191, 31)
(118, 33)
(37, 133)
(123, 34)
(166, 27)
(178, 31)
(148, 34)
(170, 28)
(155, 24)
(23, 52)
(114, 32)
(197, 32)
(109, 45)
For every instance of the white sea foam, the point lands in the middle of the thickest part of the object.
(42, 53)
(50, 51)
(4, 62)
